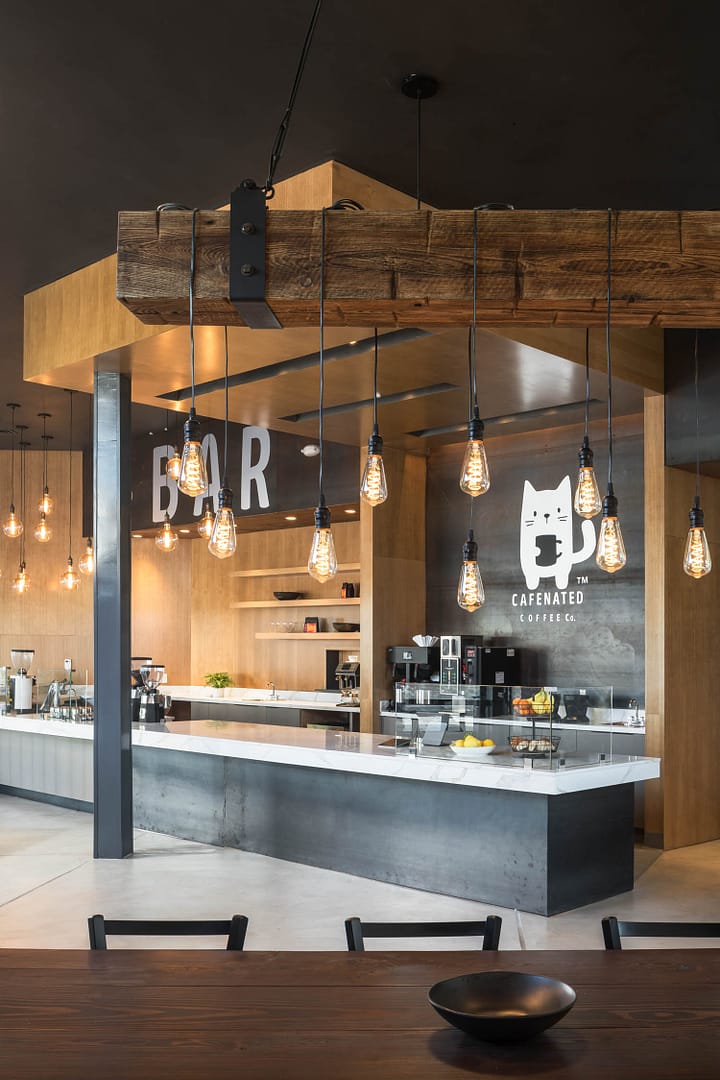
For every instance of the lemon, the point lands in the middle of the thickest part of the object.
(488, 742)
(470, 740)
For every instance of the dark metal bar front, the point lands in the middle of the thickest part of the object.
(112, 763)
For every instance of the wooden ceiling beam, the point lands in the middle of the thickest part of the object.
(536, 268)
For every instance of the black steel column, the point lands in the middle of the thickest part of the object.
(113, 813)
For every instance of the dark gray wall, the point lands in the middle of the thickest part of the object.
(680, 441)
(597, 642)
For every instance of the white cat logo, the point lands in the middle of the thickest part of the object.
(546, 535)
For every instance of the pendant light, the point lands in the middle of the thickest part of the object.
(222, 541)
(166, 538)
(70, 579)
(470, 590)
(610, 555)
(696, 560)
(86, 562)
(21, 581)
(475, 472)
(193, 479)
(47, 503)
(207, 518)
(587, 501)
(174, 463)
(373, 488)
(322, 564)
(12, 525)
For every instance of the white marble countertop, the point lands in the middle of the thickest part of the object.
(361, 753)
(241, 695)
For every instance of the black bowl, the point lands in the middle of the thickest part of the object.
(502, 1006)
(288, 595)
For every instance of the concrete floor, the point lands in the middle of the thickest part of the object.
(49, 884)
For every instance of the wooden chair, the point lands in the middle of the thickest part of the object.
(613, 930)
(236, 928)
(356, 931)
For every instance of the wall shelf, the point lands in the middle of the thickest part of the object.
(308, 603)
(330, 636)
(289, 571)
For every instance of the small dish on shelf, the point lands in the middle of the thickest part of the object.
(473, 753)
(288, 595)
(346, 627)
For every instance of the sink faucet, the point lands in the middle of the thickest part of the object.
(273, 690)
(633, 704)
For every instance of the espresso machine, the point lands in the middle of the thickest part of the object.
(21, 684)
(152, 702)
(137, 685)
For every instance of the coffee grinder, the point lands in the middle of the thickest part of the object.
(21, 684)
(152, 703)
(137, 663)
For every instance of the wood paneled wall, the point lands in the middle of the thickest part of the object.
(162, 606)
(55, 623)
(682, 645)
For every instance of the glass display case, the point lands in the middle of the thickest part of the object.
(517, 726)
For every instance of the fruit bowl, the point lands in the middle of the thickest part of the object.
(473, 752)
(540, 746)
(541, 708)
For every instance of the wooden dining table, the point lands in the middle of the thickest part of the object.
(201, 1015)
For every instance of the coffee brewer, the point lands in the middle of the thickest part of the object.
(21, 684)
(152, 703)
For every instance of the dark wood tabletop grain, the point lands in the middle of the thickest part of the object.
(201, 1015)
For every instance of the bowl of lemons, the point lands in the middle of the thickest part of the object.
(472, 748)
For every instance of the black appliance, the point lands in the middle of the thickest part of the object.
(484, 665)
(414, 663)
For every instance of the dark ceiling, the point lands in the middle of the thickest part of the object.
(542, 104)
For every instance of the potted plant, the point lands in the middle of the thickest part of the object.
(219, 681)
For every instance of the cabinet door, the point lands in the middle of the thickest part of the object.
(276, 714)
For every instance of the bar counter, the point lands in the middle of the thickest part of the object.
(537, 838)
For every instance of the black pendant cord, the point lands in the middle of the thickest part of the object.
(608, 352)
(70, 486)
(12, 458)
(587, 380)
(375, 385)
(193, 247)
(697, 426)
(227, 403)
(474, 309)
(279, 143)
(22, 502)
(418, 149)
(321, 501)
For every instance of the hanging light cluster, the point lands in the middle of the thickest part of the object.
(475, 472)
(193, 478)
(373, 489)
(322, 563)
(697, 561)
(610, 554)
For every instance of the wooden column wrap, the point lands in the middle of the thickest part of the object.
(410, 268)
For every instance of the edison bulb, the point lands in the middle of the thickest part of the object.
(21, 581)
(697, 561)
(222, 541)
(86, 562)
(610, 555)
(587, 494)
(470, 590)
(475, 472)
(322, 564)
(166, 538)
(193, 479)
(12, 525)
(47, 503)
(70, 579)
(174, 465)
(207, 520)
(374, 485)
(43, 531)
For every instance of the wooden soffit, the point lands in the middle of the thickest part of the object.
(536, 268)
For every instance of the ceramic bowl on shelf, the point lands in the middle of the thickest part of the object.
(346, 627)
(288, 595)
(502, 1006)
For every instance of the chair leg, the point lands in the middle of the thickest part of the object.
(611, 932)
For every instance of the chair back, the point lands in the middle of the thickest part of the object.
(235, 929)
(615, 929)
(488, 929)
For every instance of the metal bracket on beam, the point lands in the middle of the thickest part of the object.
(247, 256)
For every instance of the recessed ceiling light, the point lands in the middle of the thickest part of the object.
(137, 536)
(151, 432)
(352, 342)
(290, 517)
(351, 511)
(310, 450)
(184, 530)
